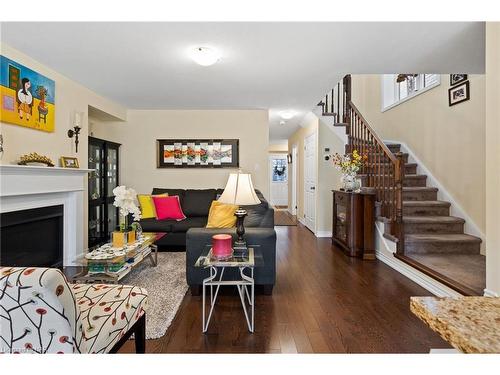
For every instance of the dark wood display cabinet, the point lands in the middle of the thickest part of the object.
(354, 223)
(103, 216)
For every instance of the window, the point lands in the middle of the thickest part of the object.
(279, 170)
(411, 85)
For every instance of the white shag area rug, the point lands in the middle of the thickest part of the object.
(166, 286)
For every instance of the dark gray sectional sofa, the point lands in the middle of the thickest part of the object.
(191, 233)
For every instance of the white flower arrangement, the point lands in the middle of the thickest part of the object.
(126, 201)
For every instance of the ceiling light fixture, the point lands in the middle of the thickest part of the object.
(205, 56)
(287, 115)
(282, 122)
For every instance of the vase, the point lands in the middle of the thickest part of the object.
(119, 239)
(131, 236)
(349, 182)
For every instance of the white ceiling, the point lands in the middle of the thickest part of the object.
(272, 66)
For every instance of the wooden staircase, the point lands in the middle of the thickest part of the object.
(427, 236)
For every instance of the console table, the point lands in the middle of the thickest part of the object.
(354, 223)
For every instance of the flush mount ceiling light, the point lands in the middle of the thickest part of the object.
(287, 115)
(205, 56)
(282, 122)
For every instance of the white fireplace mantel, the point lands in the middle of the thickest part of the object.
(25, 187)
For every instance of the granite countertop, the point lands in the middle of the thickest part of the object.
(469, 324)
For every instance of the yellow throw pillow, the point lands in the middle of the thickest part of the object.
(221, 215)
(147, 206)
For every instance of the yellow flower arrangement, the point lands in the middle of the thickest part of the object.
(349, 163)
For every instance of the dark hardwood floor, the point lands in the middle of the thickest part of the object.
(323, 302)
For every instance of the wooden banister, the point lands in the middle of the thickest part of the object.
(376, 138)
(384, 170)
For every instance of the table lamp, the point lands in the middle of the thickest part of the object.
(239, 191)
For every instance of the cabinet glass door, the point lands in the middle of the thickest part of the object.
(103, 216)
(111, 170)
(95, 177)
(96, 234)
(112, 219)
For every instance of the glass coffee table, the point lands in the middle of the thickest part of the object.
(104, 264)
(245, 262)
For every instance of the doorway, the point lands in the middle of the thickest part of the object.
(278, 169)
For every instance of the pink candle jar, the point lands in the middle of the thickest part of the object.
(222, 246)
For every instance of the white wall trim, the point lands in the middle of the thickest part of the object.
(490, 293)
(323, 233)
(384, 251)
(443, 194)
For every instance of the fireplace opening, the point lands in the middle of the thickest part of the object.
(33, 237)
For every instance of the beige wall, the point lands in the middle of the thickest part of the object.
(143, 127)
(279, 147)
(450, 141)
(70, 97)
(327, 177)
(493, 157)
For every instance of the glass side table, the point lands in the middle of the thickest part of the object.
(144, 249)
(245, 262)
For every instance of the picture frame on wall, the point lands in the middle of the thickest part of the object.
(459, 94)
(27, 97)
(455, 79)
(197, 153)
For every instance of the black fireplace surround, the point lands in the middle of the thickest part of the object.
(32, 237)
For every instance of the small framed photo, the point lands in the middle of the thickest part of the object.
(455, 79)
(458, 94)
(69, 162)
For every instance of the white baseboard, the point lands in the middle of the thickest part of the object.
(323, 233)
(490, 293)
(302, 221)
(385, 250)
(456, 209)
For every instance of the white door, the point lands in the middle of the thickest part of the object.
(295, 155)
(310, 182)
(278, 169)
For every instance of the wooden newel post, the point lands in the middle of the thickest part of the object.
(399, 177)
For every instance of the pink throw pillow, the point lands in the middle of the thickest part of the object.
(168, 208)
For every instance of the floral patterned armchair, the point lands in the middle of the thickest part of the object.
(40, 312)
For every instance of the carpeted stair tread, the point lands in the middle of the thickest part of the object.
(419, 188)
(433, 219)
(443, 238)
(426, 203)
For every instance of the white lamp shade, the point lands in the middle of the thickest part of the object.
(239, 190)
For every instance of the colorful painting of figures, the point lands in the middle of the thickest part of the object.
(27, 97)
(201, 153)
